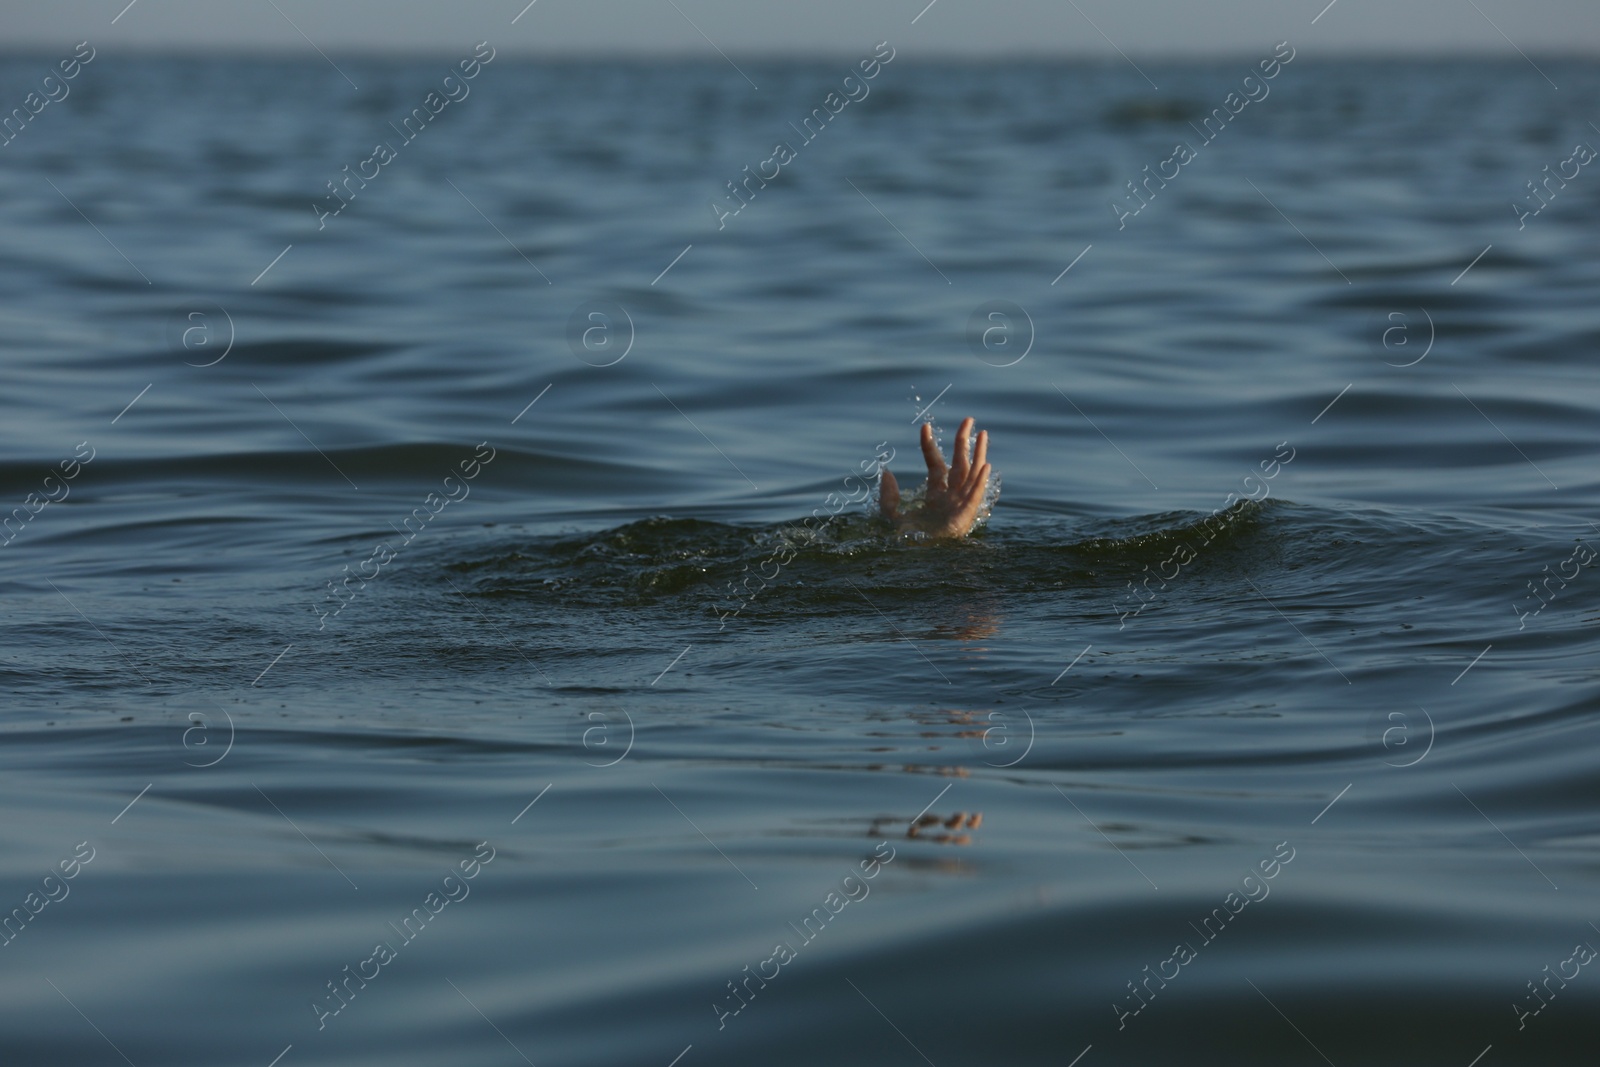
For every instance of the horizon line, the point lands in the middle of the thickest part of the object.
(202, 49)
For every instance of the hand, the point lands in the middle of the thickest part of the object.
(954, 494)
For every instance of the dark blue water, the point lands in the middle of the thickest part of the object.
(1257, 725)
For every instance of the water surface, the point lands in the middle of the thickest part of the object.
(1145, 704)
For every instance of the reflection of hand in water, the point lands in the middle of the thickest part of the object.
(980, 622)
(954, 494)
(960, 820)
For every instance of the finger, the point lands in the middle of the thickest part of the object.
(977, 484)
(973, 500)
(961, 458)
(888, 496)
(930, 453)
(980, 457)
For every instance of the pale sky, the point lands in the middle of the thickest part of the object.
(974, 27)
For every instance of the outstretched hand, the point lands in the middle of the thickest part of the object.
(954, 493)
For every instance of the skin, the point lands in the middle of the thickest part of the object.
(955, 492)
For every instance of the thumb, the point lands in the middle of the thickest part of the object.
(888, 495)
